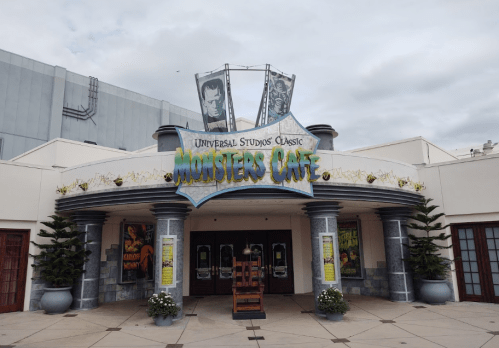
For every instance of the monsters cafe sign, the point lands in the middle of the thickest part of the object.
(279, 155)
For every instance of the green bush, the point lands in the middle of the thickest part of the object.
(162, 304)
(61, 261)
(332, 301)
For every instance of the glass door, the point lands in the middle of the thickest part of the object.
(280, 264)
(202, 263)
(476, 250)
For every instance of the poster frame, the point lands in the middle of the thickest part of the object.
(333, 235)
(174, 279)
(361, 247)
(120, 255)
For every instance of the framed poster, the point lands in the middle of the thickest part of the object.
(168, 266)
(329, 269)
(350, 248)
(137, 252)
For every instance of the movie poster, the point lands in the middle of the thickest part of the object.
(328, 258)
(348, 238)
(138, 252)
(211, 90)
(280, 92)
(167, 258)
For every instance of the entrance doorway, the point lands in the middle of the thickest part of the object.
(13, 266)
(476, 250)
(211, 260)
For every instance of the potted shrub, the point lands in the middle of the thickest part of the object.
(427, 263)
(60, 262)
(162, 308)
(332, 302)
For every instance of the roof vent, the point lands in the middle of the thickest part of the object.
(488, 147)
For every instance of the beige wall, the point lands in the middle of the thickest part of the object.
(27, 197)
(413, 151)
(67, 153)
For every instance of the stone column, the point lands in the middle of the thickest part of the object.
(170, 222)
(400, 281)
(323, 220)
(86, 288)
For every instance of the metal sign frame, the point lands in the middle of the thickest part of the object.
(262, 117)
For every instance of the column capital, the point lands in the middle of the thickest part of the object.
(395, 213)
(322, 209)
(86, 217)
(170, 211)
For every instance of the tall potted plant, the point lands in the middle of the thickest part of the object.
(60, 262)
(426, 261)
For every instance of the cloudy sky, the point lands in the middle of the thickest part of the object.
(377, 71)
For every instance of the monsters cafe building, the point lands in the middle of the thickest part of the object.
(172, 217)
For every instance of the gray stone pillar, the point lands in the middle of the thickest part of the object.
(86, 288)
(395, 235)
(323, 220)
(170, 222)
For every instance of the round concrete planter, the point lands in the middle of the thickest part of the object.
(434, 292)
(163, 321)
(56, 300)
(334, 316)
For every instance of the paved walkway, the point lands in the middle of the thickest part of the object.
(371, 322)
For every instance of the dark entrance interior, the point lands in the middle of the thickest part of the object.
(13, 265)
(211, 260)
(476, 250)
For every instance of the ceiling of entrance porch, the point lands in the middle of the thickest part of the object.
(260, 207)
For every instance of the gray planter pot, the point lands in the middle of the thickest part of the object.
(163, 321)
(56, 300)
(434, 292)
(334, 316)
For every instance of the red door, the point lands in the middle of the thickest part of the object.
(13, 265)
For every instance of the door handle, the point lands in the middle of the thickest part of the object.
(212, 270)
(270, 269)
(216, 270)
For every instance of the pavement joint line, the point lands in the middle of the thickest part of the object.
(288, 333)
(55, 339)
(424, 338)
(38, 331)
(478, 327)
(315, 318)
(187, 323)
(145, 338)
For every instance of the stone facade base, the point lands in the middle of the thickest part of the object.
(375, 283)
(110, 290)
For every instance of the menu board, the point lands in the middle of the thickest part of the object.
(328, 258)
(168, 260)
(137, 252)
(349, 246)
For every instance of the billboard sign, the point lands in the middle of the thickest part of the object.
(280, 93)
(211, 91)
(279, 155)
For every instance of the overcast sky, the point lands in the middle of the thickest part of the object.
(377, 71)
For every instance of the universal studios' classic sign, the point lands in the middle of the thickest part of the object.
(279, 155)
